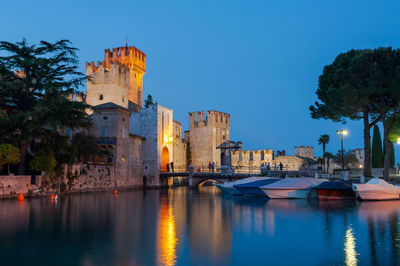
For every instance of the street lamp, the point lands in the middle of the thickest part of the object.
(341, 134)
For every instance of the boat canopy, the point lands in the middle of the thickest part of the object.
(258, 183)
(294, 183)
(244, 180)
(378, 181)
(338, 185)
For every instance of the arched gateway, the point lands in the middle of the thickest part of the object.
(164, 159)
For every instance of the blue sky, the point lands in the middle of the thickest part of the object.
(257, 60)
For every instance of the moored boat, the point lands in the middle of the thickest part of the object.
(377, 189)
(291, 188)
(335, 190)
(253, 188)
(228, 187)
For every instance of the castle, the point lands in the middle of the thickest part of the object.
(143, 141)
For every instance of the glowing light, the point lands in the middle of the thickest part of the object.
(345, 132)
(350, 248)
(170, 139)
(398, 140)
(361, 166)
(167, 240)
(165, 138)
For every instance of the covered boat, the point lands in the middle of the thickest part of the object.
(335, 190)
(291, 188)
(228, 186)
(377, 189)
(253, 188)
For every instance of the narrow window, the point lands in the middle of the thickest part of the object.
(105, 117)
(262, 156)
(101, 97)
(251, 156)
(123, 133)
(104, 131)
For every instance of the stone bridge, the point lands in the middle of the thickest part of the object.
(197, 179)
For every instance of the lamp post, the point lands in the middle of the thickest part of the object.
(341, 134)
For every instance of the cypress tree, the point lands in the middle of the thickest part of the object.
(377, 154)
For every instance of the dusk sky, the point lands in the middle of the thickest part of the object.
(256, 60)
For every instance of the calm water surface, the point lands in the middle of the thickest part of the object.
(184, 227)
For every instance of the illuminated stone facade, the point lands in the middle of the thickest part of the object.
(118, 78)
(205, 134)
(142, 140)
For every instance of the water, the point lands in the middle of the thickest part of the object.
(184, 227)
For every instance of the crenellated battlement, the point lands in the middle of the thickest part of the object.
(113, 73)
(213, 118)
(130, 56)
(118, 78)
(91, 67)
(304, 151)
(251, 157)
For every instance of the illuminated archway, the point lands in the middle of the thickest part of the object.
(164, 159)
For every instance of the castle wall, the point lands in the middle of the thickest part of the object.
(206, 133)
(13, 185)
(117, 79)
(304, 151)
(256, 159)
(179, 147)
(156, 125)
(243, 158)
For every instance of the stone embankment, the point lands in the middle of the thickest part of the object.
(77, 178)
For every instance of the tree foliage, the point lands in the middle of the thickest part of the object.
(350, 159)
(86, 147)
(361, 84)
(377, 153)
(9, 154)
(38, 83)
(148, 101)
(43, 161)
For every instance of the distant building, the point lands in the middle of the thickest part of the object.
(304, 151)
(359, 153)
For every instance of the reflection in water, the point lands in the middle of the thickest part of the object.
(189, 227)
(350, 248)
(167, 240)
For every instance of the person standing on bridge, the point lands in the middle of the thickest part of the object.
(213, 166)
(167, 167)
(280, 166)
(209, 166)
(172, 166)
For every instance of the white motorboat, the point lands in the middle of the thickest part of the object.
(228, 187)
(291, 188)
(377, 189)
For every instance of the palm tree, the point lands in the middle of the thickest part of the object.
(323, 139)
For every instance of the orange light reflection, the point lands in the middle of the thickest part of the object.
(167, 240)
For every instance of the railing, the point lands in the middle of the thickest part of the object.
(106, 141)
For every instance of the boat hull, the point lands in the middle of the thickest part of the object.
(335, 194)
(251, 191)
(378, 195)
(286, 193)
(228, 189)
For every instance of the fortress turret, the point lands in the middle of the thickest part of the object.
(118, 78)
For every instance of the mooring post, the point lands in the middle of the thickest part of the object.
(191, 170)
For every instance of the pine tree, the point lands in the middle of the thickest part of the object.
(377, 154)
(148, 101)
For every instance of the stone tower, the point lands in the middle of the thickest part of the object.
(118, 78)
(206, 134)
